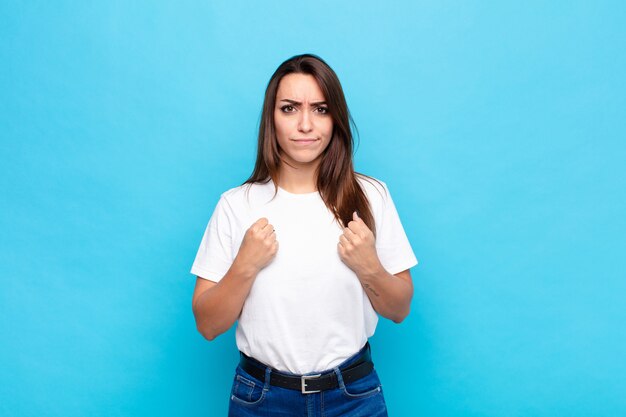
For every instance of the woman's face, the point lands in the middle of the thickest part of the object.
(303, 125)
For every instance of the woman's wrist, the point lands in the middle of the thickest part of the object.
(243, 269)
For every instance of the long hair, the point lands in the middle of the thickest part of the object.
(336, 179)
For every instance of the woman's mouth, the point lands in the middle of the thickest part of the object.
(304, 141)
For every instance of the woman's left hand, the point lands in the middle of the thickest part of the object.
(357, 247)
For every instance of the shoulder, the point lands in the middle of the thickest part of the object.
(247, 194)
(375, 189)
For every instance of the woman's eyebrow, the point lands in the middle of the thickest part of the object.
(314, 103)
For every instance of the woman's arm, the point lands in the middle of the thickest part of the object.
(216, 306)
(389, 294)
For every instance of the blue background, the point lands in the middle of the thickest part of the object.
(498, 126)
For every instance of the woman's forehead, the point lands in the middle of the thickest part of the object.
(299, 87)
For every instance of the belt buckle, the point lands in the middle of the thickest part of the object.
(303, 379)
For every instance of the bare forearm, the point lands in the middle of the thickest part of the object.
(390, 295)
(219, 307)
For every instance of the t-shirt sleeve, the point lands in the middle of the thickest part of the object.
(392, 245)
(215, 256)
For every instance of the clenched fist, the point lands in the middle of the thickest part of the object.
(357, 247)
(259, 245)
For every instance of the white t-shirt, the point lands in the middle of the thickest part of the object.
(306, 311)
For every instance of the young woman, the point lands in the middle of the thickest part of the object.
(305, 308)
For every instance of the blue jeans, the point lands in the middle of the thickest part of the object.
(252, 397)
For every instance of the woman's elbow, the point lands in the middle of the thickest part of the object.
(208, 335)
(203, 327)
(400, 316)
(398, 319)
(206, 331)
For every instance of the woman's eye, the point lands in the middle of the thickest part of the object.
(323, 110)
(287, 108)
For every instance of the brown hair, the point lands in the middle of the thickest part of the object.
(336, 179)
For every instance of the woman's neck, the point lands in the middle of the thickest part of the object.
(298, 180)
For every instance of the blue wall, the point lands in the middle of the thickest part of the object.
(499, 128)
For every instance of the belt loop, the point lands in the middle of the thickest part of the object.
(268, 375)
(339, 377)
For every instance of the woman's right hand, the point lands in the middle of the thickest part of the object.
(216, 306)
(259, 245)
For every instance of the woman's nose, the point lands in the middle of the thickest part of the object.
(305, 124)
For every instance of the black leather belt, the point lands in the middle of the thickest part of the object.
(308, 384)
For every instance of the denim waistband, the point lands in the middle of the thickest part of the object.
(363, 354)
